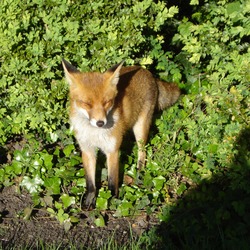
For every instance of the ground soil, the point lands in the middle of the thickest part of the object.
(41, 229)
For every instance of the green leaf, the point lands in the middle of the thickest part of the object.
(68, 150)
(212, 148)
(53, 184)
(100, 222)
(143, 202)
(48, 200)
(62, 217)
(47, 159)
(181, 189)
(233, 7)
(106, 194)
(33, 185)
(158, 182)
(67, 200)
(17, 167)
(102, 199)
(51, 211)
(124, 209)
(2, 175)
(58, 205)
(74, 219)
(101, 203)
(194, 2)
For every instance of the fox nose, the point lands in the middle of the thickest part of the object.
(100, 123)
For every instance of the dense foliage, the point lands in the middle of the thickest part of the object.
(198, 152)
(37, 34)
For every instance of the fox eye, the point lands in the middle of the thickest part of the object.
(86, 104)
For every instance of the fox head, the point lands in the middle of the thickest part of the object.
(93, 94)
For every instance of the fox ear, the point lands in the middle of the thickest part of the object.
(114, 72)
(69, 70)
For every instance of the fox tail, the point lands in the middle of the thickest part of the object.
(168, 94)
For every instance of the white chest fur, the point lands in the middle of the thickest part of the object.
(90, 137)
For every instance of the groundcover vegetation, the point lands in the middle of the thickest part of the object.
(196, 180)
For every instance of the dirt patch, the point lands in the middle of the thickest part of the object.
(17, 232)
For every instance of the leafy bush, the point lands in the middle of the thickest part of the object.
(209, 133)
(219, 102)
(37, 34)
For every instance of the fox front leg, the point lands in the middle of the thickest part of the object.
(89, 163)
(113, 172)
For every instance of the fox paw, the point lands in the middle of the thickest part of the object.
(90, 201)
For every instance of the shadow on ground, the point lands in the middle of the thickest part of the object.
(216, 214)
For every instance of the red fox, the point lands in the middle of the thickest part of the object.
(103, 106)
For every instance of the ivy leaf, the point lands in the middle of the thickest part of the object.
(99, 222)
(124, 209)
(101, 203)
(158, 182)
(143, 202)
(48, 200)
(74, 219)
(102, 199)
(68, 150)
(53, 184)
(33, 185)
(47, 159)
(67, 200)
(17, 166)
(62, 216)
